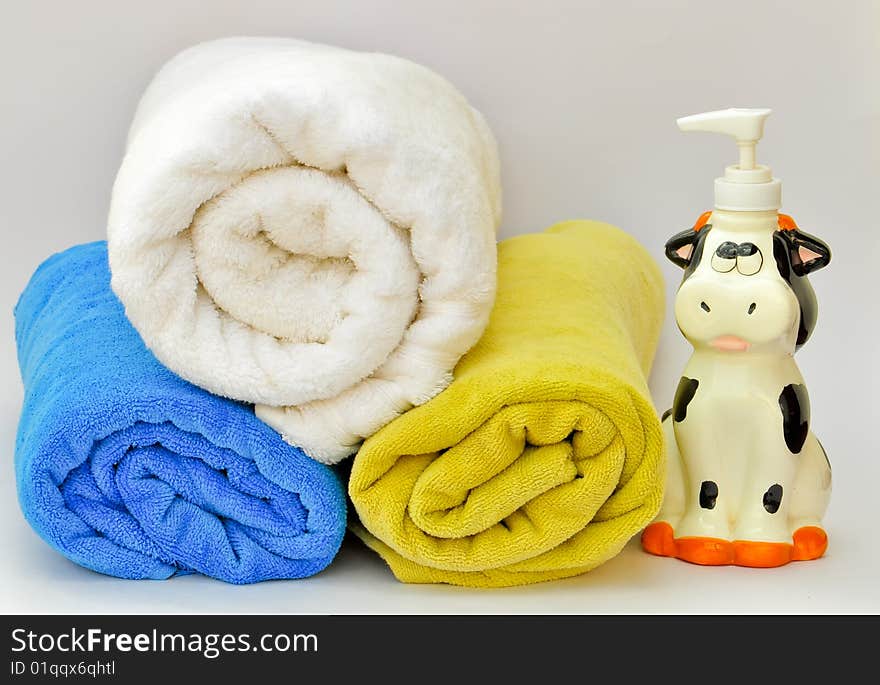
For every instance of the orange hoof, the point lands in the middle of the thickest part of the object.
(704, 551)
(658, 539)
(810, 542)
(761, 554)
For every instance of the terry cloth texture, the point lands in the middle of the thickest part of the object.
(131, 471)
(544, 455)
(309, 229)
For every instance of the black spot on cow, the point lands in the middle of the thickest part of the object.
(687, 388)
(666, 415)
(680, 242)
(708, 494)
(787, 249)
(773, 498)
(794, 402)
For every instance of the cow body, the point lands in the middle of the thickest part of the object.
(747, 481)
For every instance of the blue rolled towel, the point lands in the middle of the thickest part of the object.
(131, 471)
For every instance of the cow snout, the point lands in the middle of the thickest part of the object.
(736, 315)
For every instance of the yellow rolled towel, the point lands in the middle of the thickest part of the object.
(544, 455)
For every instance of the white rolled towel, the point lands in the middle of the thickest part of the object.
(309, 229)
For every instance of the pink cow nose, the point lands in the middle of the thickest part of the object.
(730, 343)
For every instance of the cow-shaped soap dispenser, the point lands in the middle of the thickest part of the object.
(747, 481)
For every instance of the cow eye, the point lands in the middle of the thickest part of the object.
(748, 259)
(724, 258)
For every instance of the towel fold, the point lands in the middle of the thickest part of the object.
(131, 471)
(544, 455)
(309, 229)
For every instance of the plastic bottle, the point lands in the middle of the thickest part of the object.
(747, 480)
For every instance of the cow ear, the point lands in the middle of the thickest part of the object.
(685, 251)
(680, 247)
(808, 253)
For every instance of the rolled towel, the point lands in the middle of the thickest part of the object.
(544, 455)
(309, 229)
(131, 471)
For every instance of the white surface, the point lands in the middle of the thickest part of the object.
(547, 76)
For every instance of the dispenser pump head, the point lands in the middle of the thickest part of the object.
(747, 186)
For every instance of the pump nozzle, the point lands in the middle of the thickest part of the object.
(746, 186)
(746, 125)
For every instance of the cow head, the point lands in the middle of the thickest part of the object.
(745, 282)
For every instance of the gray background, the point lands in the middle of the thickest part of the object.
(582, 97)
